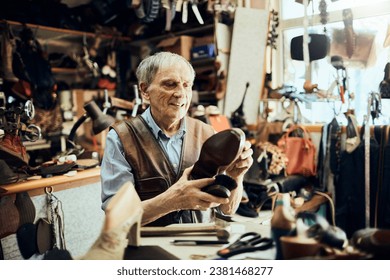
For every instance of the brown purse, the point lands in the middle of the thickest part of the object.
(300, 152)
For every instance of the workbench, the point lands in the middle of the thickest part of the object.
(80, 196)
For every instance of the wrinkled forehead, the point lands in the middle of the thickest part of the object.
(167, 64)
(174, 65)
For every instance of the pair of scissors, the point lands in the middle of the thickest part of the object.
(248, 242)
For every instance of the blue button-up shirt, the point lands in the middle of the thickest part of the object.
(115, 170)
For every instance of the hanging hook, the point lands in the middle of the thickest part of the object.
(49, 190)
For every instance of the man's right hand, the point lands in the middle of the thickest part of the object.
(187, 194)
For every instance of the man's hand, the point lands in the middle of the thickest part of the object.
(241, 165)
(187, 194)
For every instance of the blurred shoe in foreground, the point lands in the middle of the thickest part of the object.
(121, 226)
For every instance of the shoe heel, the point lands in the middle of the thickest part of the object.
(276, 234)
(282, 222)
(134, 235)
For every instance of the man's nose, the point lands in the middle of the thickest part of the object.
(180, 91)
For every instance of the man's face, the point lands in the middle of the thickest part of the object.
(170, 93)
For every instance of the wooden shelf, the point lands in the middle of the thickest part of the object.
(203, 62)
(191, 31)
(37, 145)
(71, 71)
(53, 33)
(60, 182)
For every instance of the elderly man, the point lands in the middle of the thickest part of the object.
(157, 149)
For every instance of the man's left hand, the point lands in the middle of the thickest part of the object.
(241, 165)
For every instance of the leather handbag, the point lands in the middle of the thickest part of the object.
(384, 86)
(300, 151)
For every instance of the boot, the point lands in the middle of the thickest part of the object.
(7, 49)
(13, 151)
(121, 227)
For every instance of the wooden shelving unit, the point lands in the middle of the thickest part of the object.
(62, 40)
(197, 31)
(53, 33)
(69, 71)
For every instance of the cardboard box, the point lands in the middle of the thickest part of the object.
(181, 45)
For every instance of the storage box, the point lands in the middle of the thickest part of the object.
(204, 40)
(205, 51)
(181, 45)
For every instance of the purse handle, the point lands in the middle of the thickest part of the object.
(306, 134)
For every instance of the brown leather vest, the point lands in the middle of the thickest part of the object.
(153, 173)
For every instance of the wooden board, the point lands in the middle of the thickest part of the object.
(246, 64)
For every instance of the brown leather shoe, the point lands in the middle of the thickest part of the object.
(13, 151)
(8, 176)
(218, 152)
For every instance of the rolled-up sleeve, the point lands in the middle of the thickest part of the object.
(115, 170)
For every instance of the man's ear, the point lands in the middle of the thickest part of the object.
(143, 87)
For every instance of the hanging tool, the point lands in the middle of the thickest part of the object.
(184, 15)
(194, 6)
(238, 118)
(338, 64)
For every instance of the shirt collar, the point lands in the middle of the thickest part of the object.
(156, 130)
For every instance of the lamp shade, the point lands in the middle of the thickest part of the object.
(100, 121)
